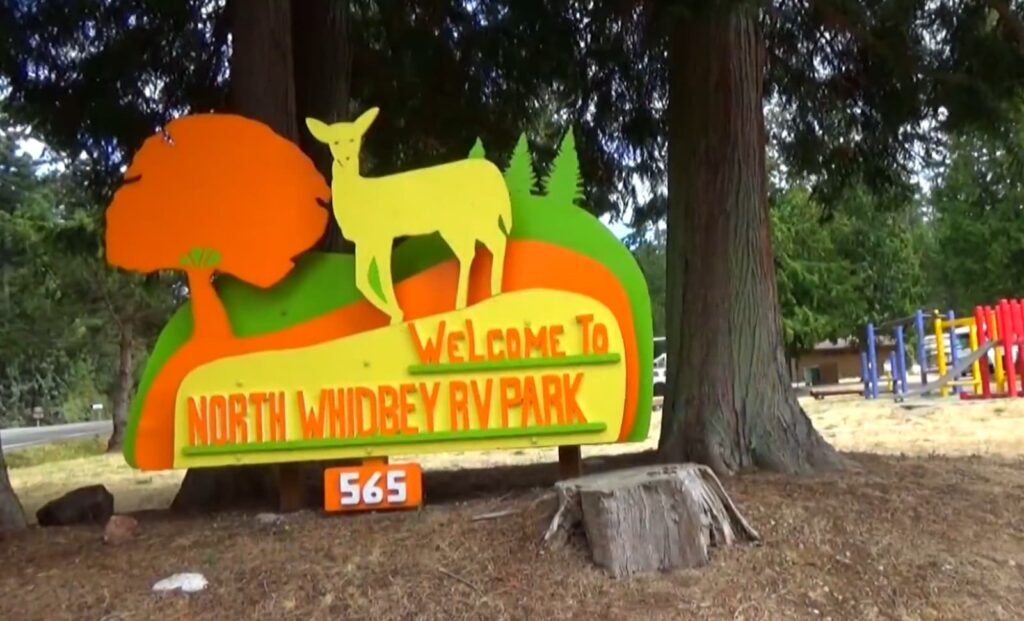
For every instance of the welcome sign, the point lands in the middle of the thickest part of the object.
(502, 319)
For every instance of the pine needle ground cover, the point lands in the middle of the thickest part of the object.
(926, 535)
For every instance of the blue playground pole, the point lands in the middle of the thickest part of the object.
(864, 374)
(872, 361)
(900, 369)
(952, 347)
(921, 360)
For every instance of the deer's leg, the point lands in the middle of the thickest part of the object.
(383, 258)
(464, 250)
(363, 258)
(495, 243)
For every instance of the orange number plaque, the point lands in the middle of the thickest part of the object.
(373, 487)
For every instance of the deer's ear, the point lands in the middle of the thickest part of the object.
(320, 130)
(365, 120)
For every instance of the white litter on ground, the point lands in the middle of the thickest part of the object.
(189, 583)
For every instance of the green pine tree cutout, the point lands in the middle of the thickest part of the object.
(563, 185)
(520, 176)
(477, 152)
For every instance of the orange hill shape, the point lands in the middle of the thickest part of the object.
(534, 265)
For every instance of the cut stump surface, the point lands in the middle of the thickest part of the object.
(652, 518)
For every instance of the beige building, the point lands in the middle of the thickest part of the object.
(834, 362)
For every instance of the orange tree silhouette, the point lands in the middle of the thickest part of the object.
(216, 192)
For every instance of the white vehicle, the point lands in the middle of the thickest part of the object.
(659, 375)
(660, 366)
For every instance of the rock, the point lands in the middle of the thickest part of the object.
(649, 518)
(188, 582)
(120, 529)
(92, 504)
(270, 519)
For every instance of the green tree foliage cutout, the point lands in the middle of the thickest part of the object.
(478, 152)
(520, 176)
(563, 185)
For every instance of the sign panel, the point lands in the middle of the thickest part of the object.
(373, 487)
(504, 319)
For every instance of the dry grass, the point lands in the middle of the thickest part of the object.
(923, 427)
(916, 537)
(133, 490)
(54, 452)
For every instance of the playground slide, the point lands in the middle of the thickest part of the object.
(962, 365)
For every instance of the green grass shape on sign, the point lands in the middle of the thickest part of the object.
(515, 364)
(417, 438)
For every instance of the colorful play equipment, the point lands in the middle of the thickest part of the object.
(967, 366)
(896, 379)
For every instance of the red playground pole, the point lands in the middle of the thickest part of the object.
(1018, 320)
(1006, 332)
(980, 321)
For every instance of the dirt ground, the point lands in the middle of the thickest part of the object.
(927, 527)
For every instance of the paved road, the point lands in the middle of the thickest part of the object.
(20, 437)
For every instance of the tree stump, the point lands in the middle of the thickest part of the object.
(649, 518)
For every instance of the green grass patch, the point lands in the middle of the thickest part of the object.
(56, 451)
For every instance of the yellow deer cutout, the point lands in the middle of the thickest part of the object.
(463, 201)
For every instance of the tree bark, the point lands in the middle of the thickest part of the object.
(323, 81)
(730, 404)
(123, 388)
(261, 84)
(263, 88)
(12, 516)
(323, 70)
(650, 518)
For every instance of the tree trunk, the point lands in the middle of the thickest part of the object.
(323, 80)
(123, 388)
(261, 85)
(730, 404)
(12, 516)
(209, 317)
(323, 70)
(649, 518)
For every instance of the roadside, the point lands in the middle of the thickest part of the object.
(41, 454)
(16, 438)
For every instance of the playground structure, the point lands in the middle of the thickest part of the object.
(970, 354)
